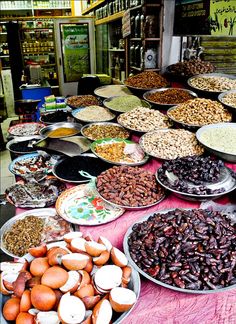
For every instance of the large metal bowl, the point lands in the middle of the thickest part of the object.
(223, 155)
(100, 124)
(75, 112)
(164, 106)
(158, 282)
(106, 102)
(210, 93)
(23, 139)
(227, 182)
(46, 130)
(221, 99)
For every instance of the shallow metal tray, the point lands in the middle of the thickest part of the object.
(226, 181)
(160, 283)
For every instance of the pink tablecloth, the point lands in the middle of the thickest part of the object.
(160, 305)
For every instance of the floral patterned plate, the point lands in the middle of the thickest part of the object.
(81, 205)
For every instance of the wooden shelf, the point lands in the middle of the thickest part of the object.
(2, 56)
(108, 19)
(157, 69)
(116, 50)
(54, 8)
(136, 68)
(151, 39)
(152, 5)
(39, 53)
(36, 28)
(136, 7)
(93, 6)
(136, 39)
(3, 33)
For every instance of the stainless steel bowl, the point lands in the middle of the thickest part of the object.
(74, 114)
(158, 282)
(100, 124)
(164, 106)
(223, 95)
(207, 75)
(106, 102)
(46, 130)
(227, 182)
(225, 156)
(23, 139)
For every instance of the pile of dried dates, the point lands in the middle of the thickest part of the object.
(189, 249)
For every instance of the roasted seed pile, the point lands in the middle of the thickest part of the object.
(192, 67)
(230, 99)
(200, 112)
(171, 144)
(129, 186)
(25, 233)
(147, 80)
(213, 83)
(96, 132)
(82, 101)
(144, 119)
(195, 170)
(190, 249)
(170, 96)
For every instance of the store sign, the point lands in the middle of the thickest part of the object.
(208, 17)
(126, 26)
(75, 47)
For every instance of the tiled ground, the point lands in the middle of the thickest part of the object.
(6, 177)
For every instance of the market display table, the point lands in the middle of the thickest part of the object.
(160, 305)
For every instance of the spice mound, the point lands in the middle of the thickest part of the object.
(222, 139)
(125, 103)
(62, 132)
(147, 80)
(189, 249)
(191, 67)
(144, 119)
(120, 152)
(94, 113)
(31, 230)
(230, 99)
(213, 83)
(192, 174)
(82, 101)
(96, 132)
(129, 186)
(199, 112)
(112, 90)
(170, 96)
(170, 144)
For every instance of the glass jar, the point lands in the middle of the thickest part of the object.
(137, 55)
(137, 25)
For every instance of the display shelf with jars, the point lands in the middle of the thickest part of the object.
(37, 45)
(27, 8)
(4, 51)
(145, 40)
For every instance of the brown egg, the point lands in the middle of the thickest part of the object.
(39, 266)
(25, 318)
(11, 309)
(25, 302)
(122, 299)
(55, 277)
(55, 256)
(86, 290)
(43, 298)
(38, 251)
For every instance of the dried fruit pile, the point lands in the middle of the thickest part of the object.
(82, 283)
(193, 169)
(147, 80)
(192, 67)
(190, 249)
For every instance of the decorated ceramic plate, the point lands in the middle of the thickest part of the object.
(81, 205)
(119, 151)
(25, 129)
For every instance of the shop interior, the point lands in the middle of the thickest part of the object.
(118, 161)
